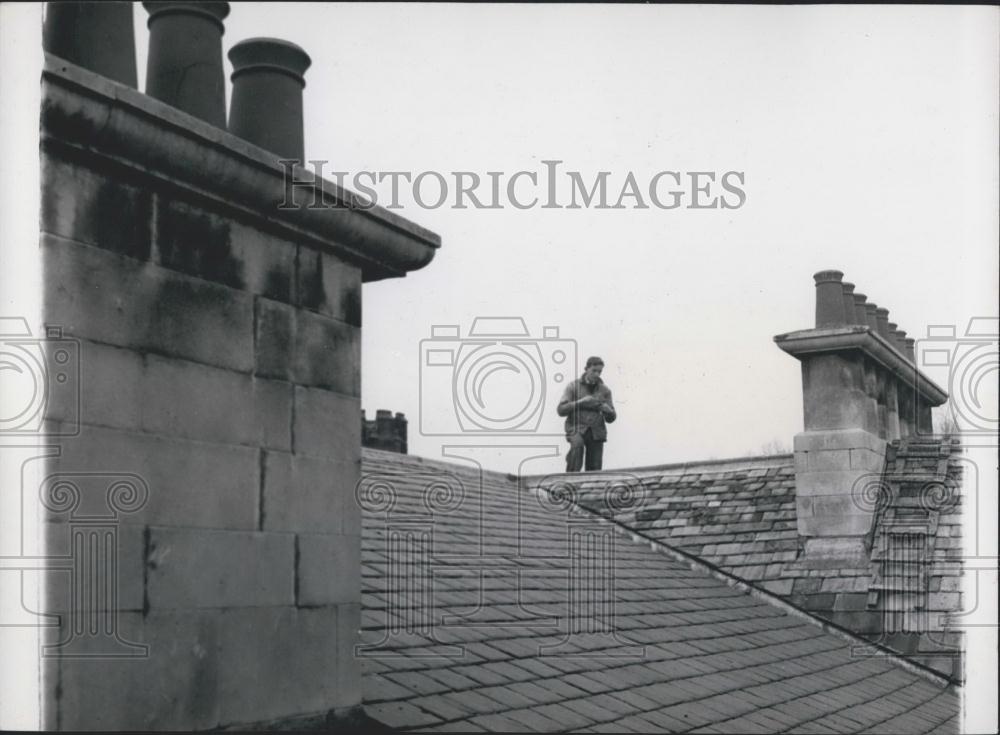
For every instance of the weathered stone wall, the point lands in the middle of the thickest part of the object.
(219, 345)
(220, 364)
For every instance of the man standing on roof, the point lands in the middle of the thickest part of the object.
(586, 404)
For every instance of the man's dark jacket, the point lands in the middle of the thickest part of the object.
(579, 419)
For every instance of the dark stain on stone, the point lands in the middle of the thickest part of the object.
(115, 217)
(197, 243)
(351, 305)
(85, 205)
(176, 322)
(121, 220)
(273, 340)
(277, 285)
(311, 293)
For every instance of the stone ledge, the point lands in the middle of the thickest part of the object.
(832, 439)
(863, 339)
(110, 121)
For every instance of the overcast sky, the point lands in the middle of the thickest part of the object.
(867, 138)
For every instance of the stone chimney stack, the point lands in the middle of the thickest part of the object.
(401, 432)
(860, 391)
(95, 35)
(385, 432)
(235, 324)
(184, 68)
(267, 95)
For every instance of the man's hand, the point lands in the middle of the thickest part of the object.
(606, 409)
(589, 402)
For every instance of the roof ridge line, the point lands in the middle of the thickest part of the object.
(383, 454)
(773, 459)
(697, 563)
(748, 459)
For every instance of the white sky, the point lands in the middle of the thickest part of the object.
(868, 137)
(869, 141)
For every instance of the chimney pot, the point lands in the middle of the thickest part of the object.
(829, 298)
(95, 35)
(185, 57)
(910, 349)
(894, 336)
(267, 95)
(882, 321)
(901, 341)
(870, 318)
(849, 316)
(860, 313)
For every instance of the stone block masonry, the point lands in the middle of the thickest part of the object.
(219, 342)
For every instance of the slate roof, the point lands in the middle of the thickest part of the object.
(739, 515)
(465, 584)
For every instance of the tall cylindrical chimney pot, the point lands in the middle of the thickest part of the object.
(849, 316)
(267, 95)
(882, 321)
(901, 341)
(97, 36)
(829, 298)
(860, 314)
(911, 353)
(185, 57)
(870, 317)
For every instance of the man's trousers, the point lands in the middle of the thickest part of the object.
(584, 443)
